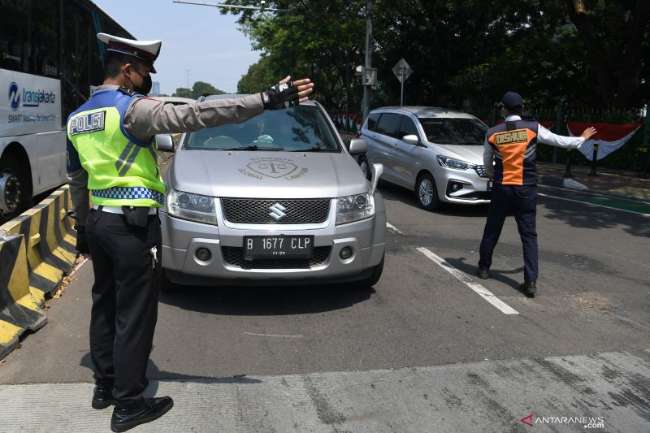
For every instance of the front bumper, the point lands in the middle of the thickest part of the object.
(473, 191)
(181, 239)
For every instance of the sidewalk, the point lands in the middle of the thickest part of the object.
(611, 182)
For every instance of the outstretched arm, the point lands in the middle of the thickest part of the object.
(547, 137)
(147, 117)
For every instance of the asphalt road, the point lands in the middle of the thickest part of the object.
(429, 348)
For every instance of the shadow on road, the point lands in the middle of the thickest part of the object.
(596, 218)
(495, 274)
(154, 374)
(394, 192)
(265, 301)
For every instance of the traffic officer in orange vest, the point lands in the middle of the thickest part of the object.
(111, 158)
(509, 157)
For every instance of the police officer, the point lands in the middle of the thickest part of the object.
(112, 160)
(513, 145)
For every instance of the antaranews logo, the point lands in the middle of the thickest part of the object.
(587, 422)
(14, 96)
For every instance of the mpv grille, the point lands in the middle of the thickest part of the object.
(235, 256)
(280, 211)
(480, 170)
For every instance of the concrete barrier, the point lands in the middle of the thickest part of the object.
(19, 310)
(49, 241)
(37, 249)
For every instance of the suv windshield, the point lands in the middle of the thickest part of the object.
(296, 129)
(454, 131)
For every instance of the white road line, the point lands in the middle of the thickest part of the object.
(253, 334)
(391, 227)
(467, 280)
(645, 215)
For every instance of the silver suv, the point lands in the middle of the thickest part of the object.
(437, 153)
(276, 199)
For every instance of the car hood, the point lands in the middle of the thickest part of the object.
(266, 174)
(471, 154)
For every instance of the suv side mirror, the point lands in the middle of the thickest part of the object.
(358, 146)
(411, 139)
(377, 171)
(164, 143)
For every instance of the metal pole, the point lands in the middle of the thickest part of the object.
(365, 104)
(401, 93)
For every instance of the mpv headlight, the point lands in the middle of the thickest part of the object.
(193, 207)
(354, 208)
(456, 164)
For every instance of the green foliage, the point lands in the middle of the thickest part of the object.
(464, 53)
(200, 88)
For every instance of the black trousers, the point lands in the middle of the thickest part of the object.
(125, 301)
(520, 201)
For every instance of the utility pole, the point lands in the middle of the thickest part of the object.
(365, 104)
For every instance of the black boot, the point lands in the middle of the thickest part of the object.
(529, 288)
(483, 273)
(103, 396)
(129, 415)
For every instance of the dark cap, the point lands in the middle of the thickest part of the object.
(512, 100)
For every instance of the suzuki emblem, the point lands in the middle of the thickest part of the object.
(277, 211)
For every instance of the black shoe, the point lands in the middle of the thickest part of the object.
(529, 288)
(103, 396)
(483, 273)
(127, 416)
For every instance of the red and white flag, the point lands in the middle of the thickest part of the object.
(610, 137)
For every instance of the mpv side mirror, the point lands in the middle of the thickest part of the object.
(377, 171)
(411, 139)
(164, 143)
(358, 146)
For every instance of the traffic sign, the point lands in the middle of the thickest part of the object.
(402, 70)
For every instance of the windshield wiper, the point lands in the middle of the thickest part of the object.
(310, 149)
(254, 147)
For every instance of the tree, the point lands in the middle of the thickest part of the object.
(183, 92)
(464, 53)
(200, 88)
(615, 37)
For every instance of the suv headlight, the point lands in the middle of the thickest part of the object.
(193, 207)
(456, 164)
(354, 208)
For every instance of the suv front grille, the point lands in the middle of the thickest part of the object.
(235, 256)
(287, 211)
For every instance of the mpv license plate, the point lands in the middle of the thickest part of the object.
(278, 247)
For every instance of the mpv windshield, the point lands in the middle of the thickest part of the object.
(296, 129)
(454, 131)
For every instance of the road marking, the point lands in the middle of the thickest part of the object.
(645, 215)
(254, 334)
(391, 227)
(467, 280)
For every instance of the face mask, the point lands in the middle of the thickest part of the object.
(146, 85)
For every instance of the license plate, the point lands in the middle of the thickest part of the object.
(278, 247)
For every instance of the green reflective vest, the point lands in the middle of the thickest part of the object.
(122, 171)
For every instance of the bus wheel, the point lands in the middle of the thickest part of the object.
(14, 188)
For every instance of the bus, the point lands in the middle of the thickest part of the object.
(49, 59)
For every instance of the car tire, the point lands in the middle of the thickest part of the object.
(426, 193)
(10, 166)
(375, 276)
